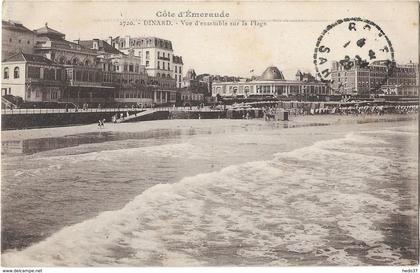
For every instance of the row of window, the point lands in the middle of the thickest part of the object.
(163, 55)
(163, 75)
(16, 73)
(142, 95)
(139, 95)
(53, 94)
(74, 61)
(134, 42)
(34, 72)
(178, 69)
(20, 41)
(126, 68)
(164, 67)
(87, 76)
(279, 89)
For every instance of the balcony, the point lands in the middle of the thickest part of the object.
(163, 58)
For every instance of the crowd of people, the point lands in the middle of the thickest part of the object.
(357, 110)
(270, 113)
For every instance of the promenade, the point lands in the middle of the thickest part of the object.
(39, 117)
(19, 111)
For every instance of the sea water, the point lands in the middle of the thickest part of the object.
(254, 195)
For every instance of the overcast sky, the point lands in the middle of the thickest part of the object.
(227, 50)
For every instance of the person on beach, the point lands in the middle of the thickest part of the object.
(100, 124)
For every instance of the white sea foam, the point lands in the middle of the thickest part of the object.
(251, 210)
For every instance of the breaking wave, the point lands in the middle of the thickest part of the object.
(309, 206)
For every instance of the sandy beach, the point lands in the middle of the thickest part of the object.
(201, 124)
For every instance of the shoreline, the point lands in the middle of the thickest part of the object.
(142, 126)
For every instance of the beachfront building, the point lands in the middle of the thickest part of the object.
(271, 83)
(376, 78)
(178, 68)
(156, 54)
(91, 71)
(32, 78)
(132, 84)
(194, 90)
(16, 38)
(84, 78)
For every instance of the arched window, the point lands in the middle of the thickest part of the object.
(158, 75)
(62, 60)
(168, 76)
(16, 73)
(235, 90)
(87, 63)
(6, 73)
(75, 61)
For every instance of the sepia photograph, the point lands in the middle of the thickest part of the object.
(273, 134)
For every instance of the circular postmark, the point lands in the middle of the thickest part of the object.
(354, 56)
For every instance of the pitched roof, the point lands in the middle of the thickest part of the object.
(102, 45)
(47, 31)
(24, 57)
(15, 26)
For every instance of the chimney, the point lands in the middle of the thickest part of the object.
(109, 40)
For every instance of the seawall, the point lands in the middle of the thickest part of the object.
(27, 121)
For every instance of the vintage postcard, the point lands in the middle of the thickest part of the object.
(209, 133)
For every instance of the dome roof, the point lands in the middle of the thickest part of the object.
(272, 73)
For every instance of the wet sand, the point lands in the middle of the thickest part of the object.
(197, 124)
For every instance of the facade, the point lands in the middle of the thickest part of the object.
(32, 77)
(84, 77)
(155, 54)
(52, 45)
(16, 38)
(41, 65)
(178, 67)
(270, 83)
(375, 78)
(194, 90)
(132, 84)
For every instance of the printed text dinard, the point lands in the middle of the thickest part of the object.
(191, 14)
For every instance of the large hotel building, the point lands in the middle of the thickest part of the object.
(155, 54)
(41, 65)
(376, 78)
